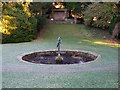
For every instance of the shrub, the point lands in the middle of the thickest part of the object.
(18, 25)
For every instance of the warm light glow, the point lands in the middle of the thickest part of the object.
(58, 5)
(76, 15)
(108, 22)
(73, 15)
(53, 3)
(38, 13)
(52, 19)
(107, 43)
(94, 18)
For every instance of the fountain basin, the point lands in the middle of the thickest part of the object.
(69, 57)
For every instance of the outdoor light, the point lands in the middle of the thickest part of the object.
(53, 3)
(108, 22)
(52, 19)
(65, 19)
(94, 18)
(58, 5)
(38, 13)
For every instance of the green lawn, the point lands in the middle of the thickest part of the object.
(102, 73)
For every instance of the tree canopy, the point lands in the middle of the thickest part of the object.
(99, 14)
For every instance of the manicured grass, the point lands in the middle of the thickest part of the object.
(76, 34)
(99, 74)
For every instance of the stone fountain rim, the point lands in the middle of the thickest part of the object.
(90, 52)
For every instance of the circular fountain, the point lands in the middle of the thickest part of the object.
(68, 57)
(59, 56)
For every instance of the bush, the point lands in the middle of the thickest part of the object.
(17, 23)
